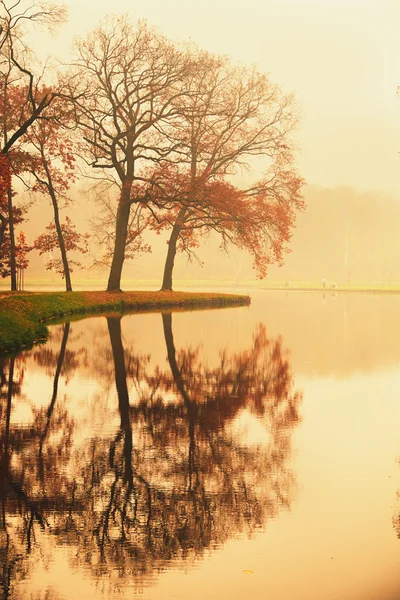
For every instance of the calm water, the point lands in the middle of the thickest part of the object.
(249, 452)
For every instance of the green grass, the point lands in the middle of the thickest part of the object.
(23, 315)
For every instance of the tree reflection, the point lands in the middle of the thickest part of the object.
(29, 472)
(179, 479)
(183, 471)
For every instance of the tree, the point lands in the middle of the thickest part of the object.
(62, 236)
(5, 183)
(232, 116)
(15, 16)
(51, 163)
(17, 73)
(20, 246)
(103, 227)
(130, 77)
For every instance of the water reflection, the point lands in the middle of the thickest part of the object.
(200, 454)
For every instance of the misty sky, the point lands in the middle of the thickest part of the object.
(340, 57)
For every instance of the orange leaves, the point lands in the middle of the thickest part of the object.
(259, 220)
(22, 249)
(73, 241)
(5, 174)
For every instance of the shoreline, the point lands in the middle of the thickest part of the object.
(331, 289)
(23, 315)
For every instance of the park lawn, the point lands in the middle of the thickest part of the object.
(23, 316)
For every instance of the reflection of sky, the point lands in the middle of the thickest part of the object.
(337, 541)
(348, 333)
(84, 398)
(249, 429)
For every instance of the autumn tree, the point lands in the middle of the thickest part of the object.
(5, 183)
(232, 116)
(131, 77)
(102, 225)
(17, 63)
(21, 248)
(62, 237)
(51, 165)
(18, 75)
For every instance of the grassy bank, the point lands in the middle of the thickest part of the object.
(23, 315)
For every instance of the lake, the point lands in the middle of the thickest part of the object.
(248, 452)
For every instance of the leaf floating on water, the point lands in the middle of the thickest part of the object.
(248, 571)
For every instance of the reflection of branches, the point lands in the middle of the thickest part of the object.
(175, 478)
(49, 358)
(8, 553)
(50, 409)
(162, 501)
(21, 493)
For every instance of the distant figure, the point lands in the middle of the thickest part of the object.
(323, 282)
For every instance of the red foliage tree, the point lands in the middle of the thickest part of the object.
(18, 78)
(5, 183)
(21, 247)
(51, 165)
(259, 220)
(73, 242)
(231, 116)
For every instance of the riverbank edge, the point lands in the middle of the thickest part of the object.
(332, 288)
(23, 315)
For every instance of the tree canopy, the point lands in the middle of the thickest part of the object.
(165, 128)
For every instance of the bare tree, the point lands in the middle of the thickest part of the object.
(131, 78)
(102, 224)
(18, 60)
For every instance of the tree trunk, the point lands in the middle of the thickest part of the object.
(13, 261)
(67, 274)
(173, 240)
(3, 227)
(9, 403)
(190, 406)
(121, 232)
(114, 330)
(60, 362)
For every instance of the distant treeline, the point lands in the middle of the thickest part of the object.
(347, 236)
(343, 235)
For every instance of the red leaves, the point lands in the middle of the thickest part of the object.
(22, 250)
(74, 242)
(259, 220)
(5, 174)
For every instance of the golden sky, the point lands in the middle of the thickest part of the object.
(340, 57)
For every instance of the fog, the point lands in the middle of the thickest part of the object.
(339, 57)
(341, 60)
(344, 235)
